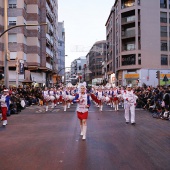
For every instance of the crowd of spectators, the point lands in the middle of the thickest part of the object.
(22, 97)
(155, 100)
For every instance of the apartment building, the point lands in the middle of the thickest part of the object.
(61, 50)
(77, 69)
(32, 45)
(96, 56)
(141, 41)
(109, 61)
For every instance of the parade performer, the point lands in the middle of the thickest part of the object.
(83, 103)
(65, 99)
(115, 99)
(130, 103)
(4, 105)
(52, 97)
(46, 97)
(100, 97)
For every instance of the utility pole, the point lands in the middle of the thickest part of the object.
(17, 70)
(6, 75)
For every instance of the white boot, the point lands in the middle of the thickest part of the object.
(84, 132)
(52, 106)
(81, 127)
(117, 107)
(101, 108)
(65, 106)
(4, 122)
(68, 105)
(46, 108)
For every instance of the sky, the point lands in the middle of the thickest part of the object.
(84, 22)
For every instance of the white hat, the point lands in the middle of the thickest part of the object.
(6, 90)
(129, 85)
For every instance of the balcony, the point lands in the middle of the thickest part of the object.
(128, 47)
(49, 52)
(128, 3)
(49, 66)
(50, 38)
(128, 34)
(49, 13)
(129, 19)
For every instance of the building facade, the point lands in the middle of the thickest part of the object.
(77, 69)
(33, 45)
(96, 56)
(109, 61)
(61, 50)
(142, 41)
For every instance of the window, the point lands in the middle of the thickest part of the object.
(128, 60)
(138, 2)
(163, 18)
(12, 38)
(25, 40)
(139, 59)
(12, 21)
(164, 46)
(163, 31)
(164, 60)
(13, 55)
(163, 3)
(12, 3)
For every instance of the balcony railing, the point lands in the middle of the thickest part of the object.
(49, 52)
(49, 38)
(48, 65)
(128, 47)
(128, 19)
(130, 33)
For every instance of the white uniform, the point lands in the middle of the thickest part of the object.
(130, 101)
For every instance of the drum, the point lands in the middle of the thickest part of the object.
(47, 98)
(107, 99)
(71, 97)
(52, 98)
(57, 96)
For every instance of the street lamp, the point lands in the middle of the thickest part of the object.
(6, 76)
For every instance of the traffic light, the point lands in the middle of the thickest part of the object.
(158, 74)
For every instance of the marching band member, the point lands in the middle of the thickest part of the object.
(115, 98)
(130, 102)
(4, 105)
(52, 98)
(83, 104)
(65, 98)
(100, 96)
(46, 98)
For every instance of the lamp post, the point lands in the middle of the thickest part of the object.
(6, 75)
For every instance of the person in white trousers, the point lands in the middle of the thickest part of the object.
(130, 103)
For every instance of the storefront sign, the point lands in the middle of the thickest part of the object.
(134, 76)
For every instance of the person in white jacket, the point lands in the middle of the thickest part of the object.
(4, 105)
(130, 103)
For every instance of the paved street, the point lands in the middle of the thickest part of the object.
(38, 140)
